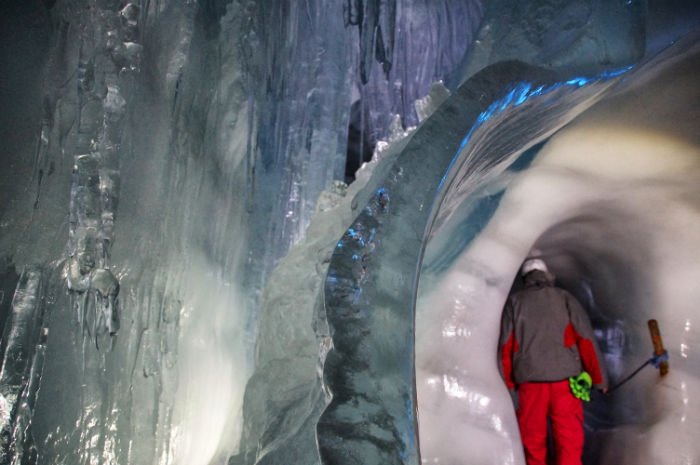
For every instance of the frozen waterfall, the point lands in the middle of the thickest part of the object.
(185, 277)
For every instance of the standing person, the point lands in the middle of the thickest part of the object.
(546, 344)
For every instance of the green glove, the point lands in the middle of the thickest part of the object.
(581, 386)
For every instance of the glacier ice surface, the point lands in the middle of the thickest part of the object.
(163, 156)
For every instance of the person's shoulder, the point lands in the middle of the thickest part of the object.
(521, 294)
(560, 290)
(568, 297)
(564, 292)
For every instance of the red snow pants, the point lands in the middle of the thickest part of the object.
(537, 402)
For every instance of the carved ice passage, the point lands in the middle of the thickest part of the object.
(608, 194)
(611, 202)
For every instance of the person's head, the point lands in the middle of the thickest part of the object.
(532, 264)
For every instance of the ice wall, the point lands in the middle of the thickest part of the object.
(149, 140)
(425, 42)
(113, 200)
(306, 66)
(161, 156)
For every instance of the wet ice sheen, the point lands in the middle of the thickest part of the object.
(181, 149)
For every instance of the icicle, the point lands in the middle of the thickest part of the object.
(368, 30)
(23, 346)
(377, 22)
(385, 34)
(352, 11)
(107, 287)
(250, 156)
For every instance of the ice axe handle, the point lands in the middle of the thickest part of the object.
(658, 345)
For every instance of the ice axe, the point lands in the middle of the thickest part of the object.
(659, 358)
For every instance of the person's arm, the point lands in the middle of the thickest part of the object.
(584, 338)
(507, 345)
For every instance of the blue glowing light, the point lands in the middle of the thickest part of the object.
(518, 94)
(617, 72)
(579, 81)
(411, 435)
(356, 235)
(524, 92)
(536, 92)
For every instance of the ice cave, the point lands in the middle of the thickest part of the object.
(239, 232)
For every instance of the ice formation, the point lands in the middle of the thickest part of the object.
(162, 158)
(587, 202)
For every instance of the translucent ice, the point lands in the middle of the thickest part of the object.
(161, 157)
(23, 347)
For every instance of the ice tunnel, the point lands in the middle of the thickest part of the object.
(581, 187)
(622, 166)
(184, 279)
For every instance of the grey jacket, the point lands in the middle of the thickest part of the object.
(546, 336)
